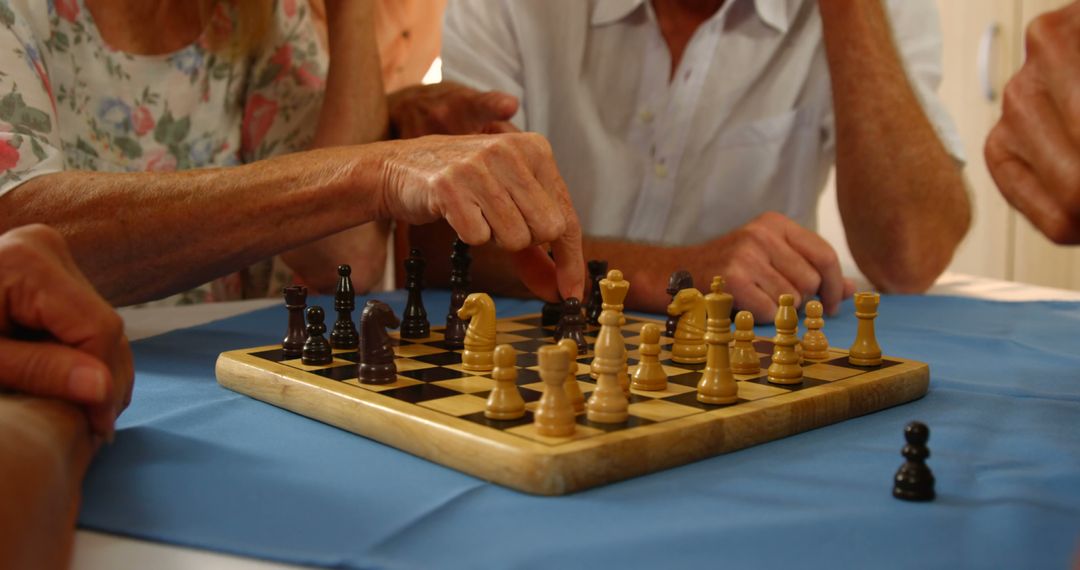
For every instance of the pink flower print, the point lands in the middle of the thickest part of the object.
(9, 156)
(308, 77)
(159, 160)
(258, 117)
(290, 8)
(67, 9)
(283, 59)
(142, 121)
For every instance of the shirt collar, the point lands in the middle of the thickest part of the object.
(775, 13)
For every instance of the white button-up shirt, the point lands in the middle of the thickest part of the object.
(743, 126)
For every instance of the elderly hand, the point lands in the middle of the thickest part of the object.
(772, 255)
(58, 338)
(449, 108)
(504, 188)
(1034, 151)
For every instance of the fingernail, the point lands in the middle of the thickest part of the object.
(88, 384)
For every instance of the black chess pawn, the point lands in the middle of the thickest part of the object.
(376, 356)
(914, 481)
(594, 303)
(414, 322)
(454, 335)
(344, 334)
(550, 314)
(317, 350)
(678, 281)
(295, 302)
(572, 324)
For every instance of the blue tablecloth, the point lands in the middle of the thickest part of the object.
(195, 464)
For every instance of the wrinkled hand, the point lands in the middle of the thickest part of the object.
(772, 255)
(1034, 151)
(502, 188)
(449, 108)
(58, 338)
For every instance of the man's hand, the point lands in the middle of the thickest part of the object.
(449, 108)
(502, 188)
(770, 256)
(58, 338)
(1034, 151)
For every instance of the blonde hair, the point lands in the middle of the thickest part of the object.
(237, 27)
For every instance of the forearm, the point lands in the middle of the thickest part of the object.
(45, 449)
(141, 236)
(900, 193)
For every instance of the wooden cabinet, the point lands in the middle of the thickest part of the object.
(982, 49)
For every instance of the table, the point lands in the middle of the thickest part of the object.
(96, 550)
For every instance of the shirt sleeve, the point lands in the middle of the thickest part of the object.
(29, 139)
(480, 49)
(285, 86)
(917, 30)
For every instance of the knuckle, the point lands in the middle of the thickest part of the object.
(112, 326)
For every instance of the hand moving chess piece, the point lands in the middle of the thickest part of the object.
(689, 347)
(914, 481)
(505, 401)
(865, 350)
(744, 357)
(717, 385)
(295, 301)
(785, 367)
(572, 324)
(317, 351)
(649, 374)
(594, 302)
(608, 403)
(679, 280)
(376, 355)
(414, 321)
(815, 345)
(479, 309)
(573, 390)
(344, 335)
(554, 415)
(454, 335)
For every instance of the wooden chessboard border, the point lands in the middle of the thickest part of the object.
(536, 467)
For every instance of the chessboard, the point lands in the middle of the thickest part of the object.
(435, 409)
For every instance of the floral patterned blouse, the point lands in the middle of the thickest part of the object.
(70, 101)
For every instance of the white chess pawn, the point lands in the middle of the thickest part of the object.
(650, 374)
(744, 357)
(554, 416)
(785, 367)
(573, 390)
(815, 345)
(505, 401)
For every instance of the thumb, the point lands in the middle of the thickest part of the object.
(494, 106)
(54, 371)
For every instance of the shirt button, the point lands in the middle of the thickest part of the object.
(661, 170)
(646, 116)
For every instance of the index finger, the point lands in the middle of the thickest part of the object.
(569, 255)
(822, 256)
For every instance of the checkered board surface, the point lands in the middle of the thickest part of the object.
(433, 389)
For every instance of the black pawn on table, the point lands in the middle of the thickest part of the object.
(572, 324)
(914, 481)
(594, 303)
(454, 335)
(678, 281)
(344, 334)
(376, 355)
(295, 302)
(317, 350)
(414, 323)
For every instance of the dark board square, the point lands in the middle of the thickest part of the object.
(420, 393)
(690, 399)
(433, 374)
(690, 379)
(534, 333)
(533, 321)
(764, 346)
(806, 383)
(481, 419)
(442, 344)
(350, 356)
(440, 358)
(529, 346)
(765, 362)
(350, 372)
(527, 394)
(274, 355)
(843, 363)
(527, 359)
(631, 422)
(526, 376)
(670, 362)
